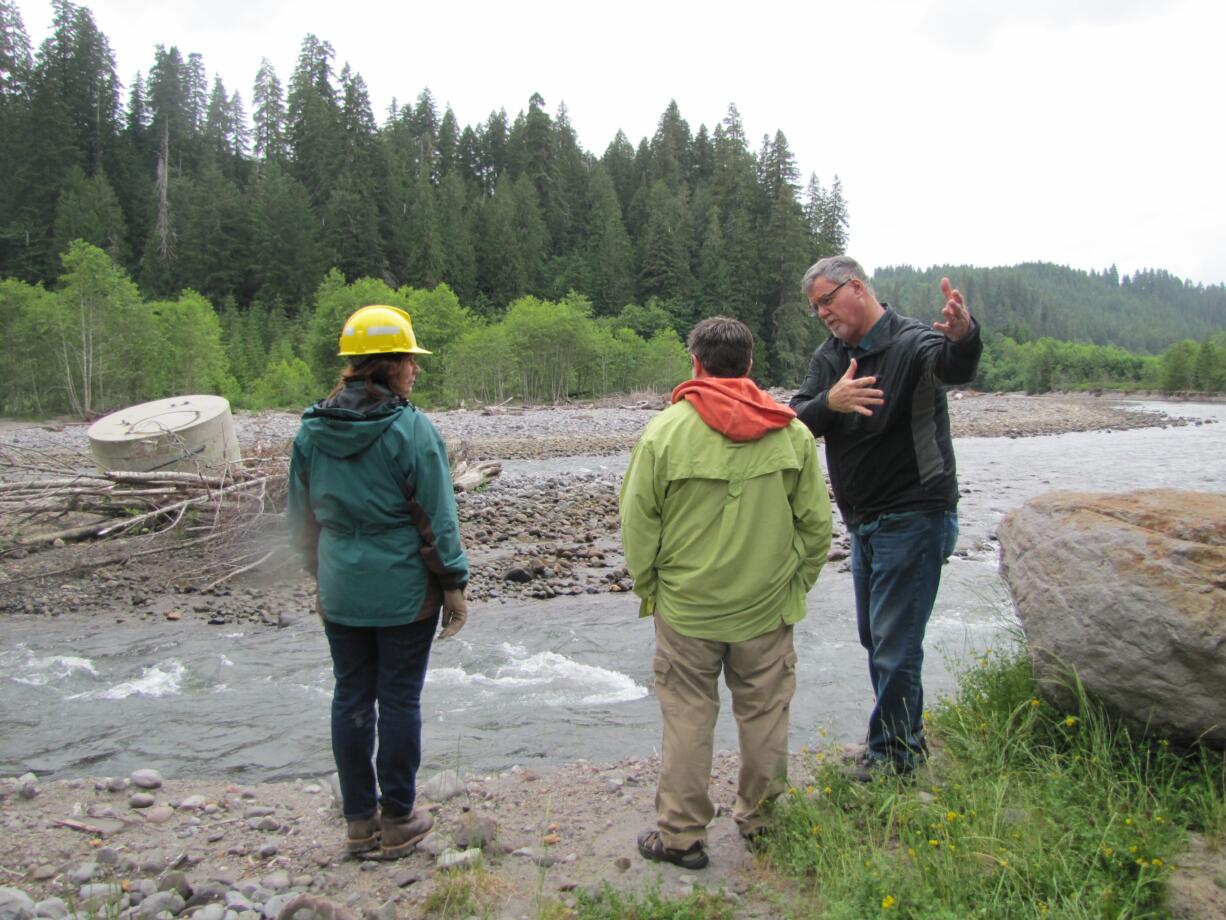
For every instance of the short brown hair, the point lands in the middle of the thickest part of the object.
(722, 345)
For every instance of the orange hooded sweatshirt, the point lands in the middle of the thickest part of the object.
(734, 406)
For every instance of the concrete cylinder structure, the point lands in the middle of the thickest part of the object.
(184, 434)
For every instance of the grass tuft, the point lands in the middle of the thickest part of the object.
(1023, 811)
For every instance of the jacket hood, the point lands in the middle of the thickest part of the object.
(352, 420)
(734, 406)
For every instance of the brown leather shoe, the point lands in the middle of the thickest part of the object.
(402, 833)
(363, 834)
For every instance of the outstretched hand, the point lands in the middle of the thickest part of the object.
(852, 394)
(957, 318)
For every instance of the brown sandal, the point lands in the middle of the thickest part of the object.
(651, 846)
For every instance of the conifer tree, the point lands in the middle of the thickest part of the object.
(268, 116)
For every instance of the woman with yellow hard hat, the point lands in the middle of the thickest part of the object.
(373, 513)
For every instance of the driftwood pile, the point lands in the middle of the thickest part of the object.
(45, 504)
(130, 503)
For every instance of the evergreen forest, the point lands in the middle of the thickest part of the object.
(163, 235)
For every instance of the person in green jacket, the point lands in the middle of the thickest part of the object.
(725, 525)
(372, 512)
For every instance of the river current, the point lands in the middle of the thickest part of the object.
(534, 683)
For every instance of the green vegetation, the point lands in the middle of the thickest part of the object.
(141, 225)
(184, 190)
(94, 343)
(610, 904)
(1024, 812)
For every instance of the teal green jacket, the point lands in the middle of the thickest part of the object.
(723, 538)
(372, 511)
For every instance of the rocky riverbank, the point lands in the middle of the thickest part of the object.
(219, 851)
(532, 535)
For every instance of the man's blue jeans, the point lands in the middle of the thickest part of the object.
(896, 569)
(384, 665)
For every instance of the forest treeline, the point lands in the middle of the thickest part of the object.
(230, 233)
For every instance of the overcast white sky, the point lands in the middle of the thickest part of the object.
(989, 132)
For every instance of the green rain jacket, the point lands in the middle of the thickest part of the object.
(723, 538)
(372, 510)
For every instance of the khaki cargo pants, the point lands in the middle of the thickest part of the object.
(761, 675)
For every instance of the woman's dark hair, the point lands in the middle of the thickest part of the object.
(378, 369)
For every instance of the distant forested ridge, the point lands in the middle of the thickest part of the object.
(168, 234)
(1144, 312)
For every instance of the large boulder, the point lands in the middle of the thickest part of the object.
(1129, 591)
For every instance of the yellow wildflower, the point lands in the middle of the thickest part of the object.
(1070, 721)
(1034, 702)
(887, 902)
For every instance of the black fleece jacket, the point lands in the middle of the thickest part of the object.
(901, 458)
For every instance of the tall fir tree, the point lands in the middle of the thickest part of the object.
(268, 116)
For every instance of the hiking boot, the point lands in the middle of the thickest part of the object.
(651, 846)
(363, 834)
(868, 769)
(403, 832)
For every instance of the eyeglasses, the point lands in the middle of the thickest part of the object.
(825, 300)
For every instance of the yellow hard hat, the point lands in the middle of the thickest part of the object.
(379, 329)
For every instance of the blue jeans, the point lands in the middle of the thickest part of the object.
(896, 569)
(384, 665)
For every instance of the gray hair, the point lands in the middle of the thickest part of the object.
(839, 269)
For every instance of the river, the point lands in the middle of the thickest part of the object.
(534, 683)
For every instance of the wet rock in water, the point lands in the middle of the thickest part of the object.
(141, 800)
(193, 803)
(147, 779)
(15, 904)
(1129, 591)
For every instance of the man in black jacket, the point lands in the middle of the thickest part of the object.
(876, 393)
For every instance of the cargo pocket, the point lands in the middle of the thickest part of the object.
(665, 691)
(787, 680)
(660, 667)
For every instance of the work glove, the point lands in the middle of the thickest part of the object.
(455, 613)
